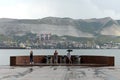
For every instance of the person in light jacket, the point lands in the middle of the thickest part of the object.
(69, 57)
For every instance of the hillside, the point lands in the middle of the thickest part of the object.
(61, 26)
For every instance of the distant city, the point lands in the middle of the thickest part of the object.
(49, 41)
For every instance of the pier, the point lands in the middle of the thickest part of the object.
(48, 60)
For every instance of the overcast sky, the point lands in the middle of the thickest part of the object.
(77, 9)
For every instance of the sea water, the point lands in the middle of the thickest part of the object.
(6, 53)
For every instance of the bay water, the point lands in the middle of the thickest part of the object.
(6, 53)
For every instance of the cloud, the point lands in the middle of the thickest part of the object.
(76, 9)
(112, 14)
(26, 10)
(16, 11)
(108, 8)
(83, 9)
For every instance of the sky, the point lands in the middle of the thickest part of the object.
(76, 9)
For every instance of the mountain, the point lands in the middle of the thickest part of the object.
(61, 26)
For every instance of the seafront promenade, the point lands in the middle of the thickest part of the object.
(59, 73)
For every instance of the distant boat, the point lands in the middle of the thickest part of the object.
(28, 47)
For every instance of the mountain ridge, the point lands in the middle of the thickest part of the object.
(61, 26)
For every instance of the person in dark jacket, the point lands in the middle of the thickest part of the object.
(31, 57)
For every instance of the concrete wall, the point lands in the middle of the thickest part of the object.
(108, 60)
(86, 59)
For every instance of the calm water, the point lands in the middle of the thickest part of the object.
(6, 53)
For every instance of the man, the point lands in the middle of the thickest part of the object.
(31, 57)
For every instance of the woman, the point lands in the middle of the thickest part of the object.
(69, 57)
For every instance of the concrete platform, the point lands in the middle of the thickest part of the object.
(60, 73)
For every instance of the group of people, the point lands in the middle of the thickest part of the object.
(55, 57)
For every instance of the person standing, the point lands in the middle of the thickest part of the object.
(69, 57)
(31, 57)
(55, 56)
